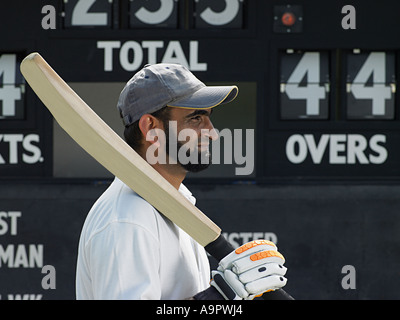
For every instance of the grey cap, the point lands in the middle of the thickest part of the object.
(173, 85)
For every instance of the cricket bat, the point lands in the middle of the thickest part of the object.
(110, 150)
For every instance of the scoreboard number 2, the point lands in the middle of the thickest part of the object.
(82, 16)
(87, 13)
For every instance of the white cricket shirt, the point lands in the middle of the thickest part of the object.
(127, 250)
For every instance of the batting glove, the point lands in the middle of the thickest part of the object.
(249, 271)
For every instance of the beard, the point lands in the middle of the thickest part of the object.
(203, 158)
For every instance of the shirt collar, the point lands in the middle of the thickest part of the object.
(186, 193)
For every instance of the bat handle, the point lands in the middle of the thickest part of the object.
(220, 247)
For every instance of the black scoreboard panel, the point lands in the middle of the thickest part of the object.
(332, 101)
(335, 115)
(23, 137)
(318, 102)
(326, 106)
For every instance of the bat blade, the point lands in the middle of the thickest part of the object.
(110, 150)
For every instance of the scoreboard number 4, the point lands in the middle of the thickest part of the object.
(370, 85)
(11, 88)
(305, 85)
(312, 92)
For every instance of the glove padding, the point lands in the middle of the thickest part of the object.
(249, 271)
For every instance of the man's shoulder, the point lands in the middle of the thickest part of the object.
(118, 194)
(120, 204)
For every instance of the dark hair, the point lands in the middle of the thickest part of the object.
(132, 134)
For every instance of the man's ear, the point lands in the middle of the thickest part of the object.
(148, 125)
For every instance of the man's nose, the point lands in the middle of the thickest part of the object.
(211, 132)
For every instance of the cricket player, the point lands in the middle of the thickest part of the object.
(127, 249)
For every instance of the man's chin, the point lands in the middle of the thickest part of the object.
(190, 167)
(204, 161)
(195, 167)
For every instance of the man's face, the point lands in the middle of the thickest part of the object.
(192, 131)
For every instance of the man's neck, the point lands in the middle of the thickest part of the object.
(174, 174)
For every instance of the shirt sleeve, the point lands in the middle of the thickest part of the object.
(124, 261)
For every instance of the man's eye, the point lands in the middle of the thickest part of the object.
(196, 118)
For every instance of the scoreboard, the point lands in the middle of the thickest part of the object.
(319, 94)
(318, 105)
(336, 100)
